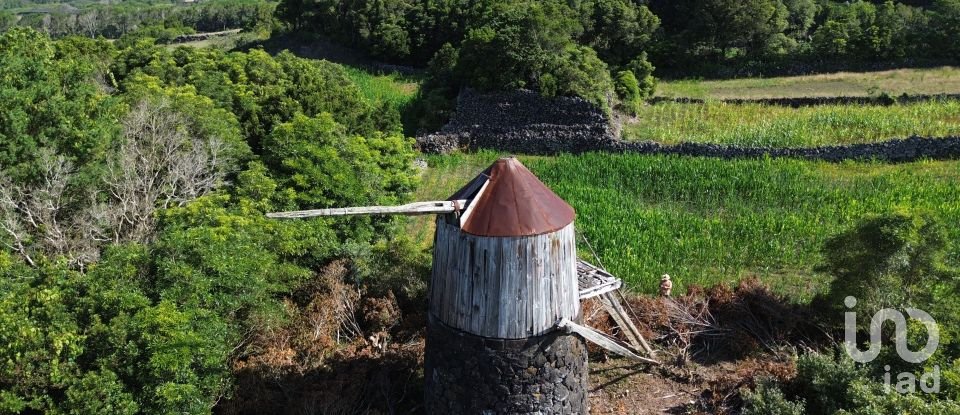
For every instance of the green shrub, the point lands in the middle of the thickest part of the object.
(894, 260)
(629, 92)
(643, 71)
(397, 265)
(429, 111)
(96, 342)
(870, 399)
(324, 166)
(836, 385)
(578, 72)
(768, 399)
(434, 102)
(824, 380)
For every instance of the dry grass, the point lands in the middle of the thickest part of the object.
(339, 351)
(895, 82)
(714, 342)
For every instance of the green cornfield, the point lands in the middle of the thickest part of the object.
(775, 126)
(705, 221)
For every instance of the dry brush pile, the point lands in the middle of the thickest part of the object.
(721, 340)
(343, 350)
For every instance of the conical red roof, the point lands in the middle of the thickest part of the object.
(514, 203)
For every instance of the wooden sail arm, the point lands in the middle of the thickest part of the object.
(416, 208)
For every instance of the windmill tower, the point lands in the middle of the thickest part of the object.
(502, 332)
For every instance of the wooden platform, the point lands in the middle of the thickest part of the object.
(594, 281)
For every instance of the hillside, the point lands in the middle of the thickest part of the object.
(761, 178)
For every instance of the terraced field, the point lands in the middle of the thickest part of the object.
(705, 220)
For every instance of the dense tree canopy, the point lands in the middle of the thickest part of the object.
(135, 258)
(724, 24)
(546, 46)
(504, 44)
(49, 102)
(618, 31)
(116, 19)
(511, 45)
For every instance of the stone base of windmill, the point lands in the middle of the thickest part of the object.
(468, 374)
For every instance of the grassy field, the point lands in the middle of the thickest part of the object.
(394, 89)
(709, 220)
(895, 82)
(775, 126)
(445, 175)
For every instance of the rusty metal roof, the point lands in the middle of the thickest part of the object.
(513, 203)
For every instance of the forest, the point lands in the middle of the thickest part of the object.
(138, 262)
(113, 20)
(596, 49)
(139, 273)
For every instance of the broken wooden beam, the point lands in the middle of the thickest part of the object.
(602, 340)
(613, 306)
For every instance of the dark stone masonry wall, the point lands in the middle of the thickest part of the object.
(520, 121)
(523, 122)
(467, 374)
(897, 150)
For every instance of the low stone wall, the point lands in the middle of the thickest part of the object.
(468, 374)
(522, 107)
(548, 142)
(524, 123)
(897, 150)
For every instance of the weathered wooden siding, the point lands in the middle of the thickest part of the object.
(504, 287)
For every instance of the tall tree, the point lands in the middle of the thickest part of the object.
(728, 24)
(513, 43)
(946, 20)
(618, 30)
(801, 17)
